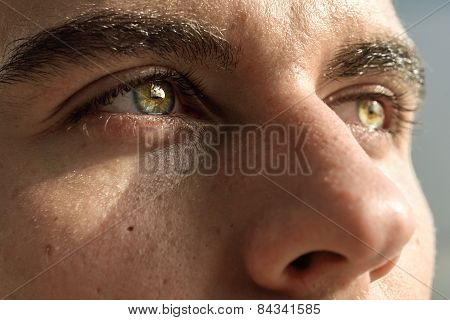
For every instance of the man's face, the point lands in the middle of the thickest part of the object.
(80, 218)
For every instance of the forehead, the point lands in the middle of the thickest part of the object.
(277, 22)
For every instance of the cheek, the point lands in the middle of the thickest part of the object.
(125, 222)
(68, 190)
(45, 218)
(79, 201)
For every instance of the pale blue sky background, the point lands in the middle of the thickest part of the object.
(431, 148)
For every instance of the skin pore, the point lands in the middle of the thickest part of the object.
(78, 219)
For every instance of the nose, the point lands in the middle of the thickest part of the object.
(346, 222)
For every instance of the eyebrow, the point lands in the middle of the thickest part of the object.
(90, 36)
(380, 56)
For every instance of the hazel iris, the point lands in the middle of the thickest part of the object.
(370, 113)
(155, 97)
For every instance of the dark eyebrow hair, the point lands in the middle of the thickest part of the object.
(377, 57)
(117, 33)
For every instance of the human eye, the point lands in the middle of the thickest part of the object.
(151, 97)
(136, 98)
(373, 108)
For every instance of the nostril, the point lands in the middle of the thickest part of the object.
(303, 262)
(315, 261)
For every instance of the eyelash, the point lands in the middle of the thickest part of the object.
(185, 84)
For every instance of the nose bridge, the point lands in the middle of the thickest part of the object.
(347, 207)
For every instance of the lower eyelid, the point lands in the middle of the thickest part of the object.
(115, 128)
(126, 128)
(376, 143)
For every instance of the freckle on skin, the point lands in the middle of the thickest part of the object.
(130, 228)
(48, 250)
(217, 231)
(15, 194)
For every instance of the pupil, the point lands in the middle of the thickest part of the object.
(372, 110)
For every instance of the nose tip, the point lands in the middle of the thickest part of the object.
(308, 251)
(377, 230)
(399, 226)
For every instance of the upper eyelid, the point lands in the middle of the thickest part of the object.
(392, 79)
(366, 95)
(359, 90)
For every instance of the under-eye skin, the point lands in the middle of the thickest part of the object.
(372, 107)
